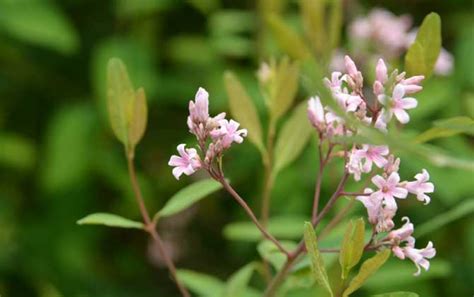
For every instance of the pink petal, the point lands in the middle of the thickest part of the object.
(408, 103)
(401, 115)
(378, 181)
(398, 92)
(400, 192)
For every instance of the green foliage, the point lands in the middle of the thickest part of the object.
(188, 196)
(447, 128)
(423, 53)
(270, 252)
(317, 264)
(17, 152)
(282, 227)
(352, 246)
(292, 139)
(243, 109)
(368, 268)
(397, 294)
(237, 284)
(202, 284)
(127, 107)
(286, 86)
(110, 220)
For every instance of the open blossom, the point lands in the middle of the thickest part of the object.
(187, 162)
(398, 104)
(402, 233)
(389, 189)
(373, 154)
(421, 186)
(420, 256)
(379, 214)
(228, 132)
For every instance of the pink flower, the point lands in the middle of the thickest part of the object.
(420, 256)
(421, 186)
(379, 215)
(411, 84)
(354, 165)
(188, 161)
(389, 189)
(348, 102)
(398, 104)
(335, 84)
(392, 165)
(351, 67)
(444, 63)
(199, 110)
(381, 71)
(228, 133)
(373, 154)
(316, 113)
(402, 233)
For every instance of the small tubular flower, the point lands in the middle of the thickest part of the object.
(404, 232)
(421, 186)
(373, 154)
(228, 132)
(316, 113)
(389, 189)
(398, 104)
(199, 109)
(379, 215)
(187, 162)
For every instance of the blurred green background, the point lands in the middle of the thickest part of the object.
(59, 160)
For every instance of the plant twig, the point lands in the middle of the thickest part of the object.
(150, 225)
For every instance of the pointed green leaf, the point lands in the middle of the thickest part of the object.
(243, 109)
(110, 220)
(352, 246)
(238, 282)
(200, 283)
(286, 83)
(312, 13)
(288, 40)
(335, 24)
(317, 264)
(188, 196)
(423, 53)
(292, 138)
(270, 252)
(368, 268)
(397, 294)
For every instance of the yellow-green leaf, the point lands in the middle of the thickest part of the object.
(243, 109)
(368, 268)
(423, 53)
(352, 246)
(286, 85)
(335, 24)
(447, 128)
(139, 118)
(317, 264)
(111, 220)
(288, 40)
(293, 138)
(397, 294)
(312, 13)
(238, 282)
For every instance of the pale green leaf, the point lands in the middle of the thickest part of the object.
(111, 220)
(243, 109)
(188, 196)
(317, 264)
(16, 151)
(202, 284)
(286, 84)
(423, 53)
(238, 282)
(270, 252)
(335, 24)
(281, 227)
(138, 118)
(463, 209)
(293, 138)
(352, 246)
(368, 268)
(397, 294)
(313, 15)
(447, 128)
(38, 22)
(288, 40)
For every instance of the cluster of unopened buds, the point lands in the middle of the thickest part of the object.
(214, 136)
(388, 101)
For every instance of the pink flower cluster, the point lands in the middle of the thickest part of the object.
(214, 135)
(388, 101)
(391, 36)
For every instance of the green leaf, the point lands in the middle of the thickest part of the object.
(200, 283)
(335, 24)
(281, 227)
(317, 264)
(352, 246)
(288, 40)
(127, 108)
(243, 109)
(423, 53)
(286, 85)
(110, 220)
(463, 209)
(397, 294)
(137, 8)
(368, 268)
(238, 282)
(312, 13)
(447, 128)
(188, 196)
(293, 138)
(270, 252)
(38, 22)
